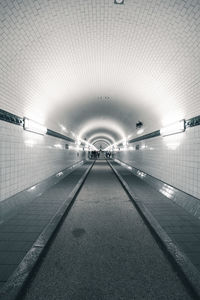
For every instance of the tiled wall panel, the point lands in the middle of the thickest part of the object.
(27, 158)
(174, 159)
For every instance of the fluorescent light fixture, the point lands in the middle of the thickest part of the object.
(124, 142)
(33, 126)
(63, 128)
(140, 131)
(176, 127)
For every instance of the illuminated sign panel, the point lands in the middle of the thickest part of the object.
(35, 127)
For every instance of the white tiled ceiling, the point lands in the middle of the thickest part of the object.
(96, 67)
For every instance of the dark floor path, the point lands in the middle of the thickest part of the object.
(104, 250)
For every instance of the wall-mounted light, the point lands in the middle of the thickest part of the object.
(33, 126)
(140, 131)
(176, 127)
(124, 142)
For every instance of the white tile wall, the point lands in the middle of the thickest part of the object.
(174, 159)
(27, 158)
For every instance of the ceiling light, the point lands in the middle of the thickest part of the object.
(140, 131)
(63, 128)
(177, 127)
(119, 1)
(33, 126)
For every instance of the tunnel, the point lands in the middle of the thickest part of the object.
(99, 149)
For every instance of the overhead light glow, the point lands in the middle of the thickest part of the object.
(168, 191)
(124, 142)
(176, 127)
(140, 131)
(73, 134)
(35, 127)
(59, 174)
(131, 148)
(173, 146)
(32, 188)
(63, 128)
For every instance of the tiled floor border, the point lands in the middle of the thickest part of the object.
(11, 205)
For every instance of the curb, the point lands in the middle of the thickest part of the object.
(13, 287)
(189, 272)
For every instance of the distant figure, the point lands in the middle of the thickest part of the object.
(98, 154)
(108, 154)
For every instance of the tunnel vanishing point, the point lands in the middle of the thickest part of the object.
(99, 149)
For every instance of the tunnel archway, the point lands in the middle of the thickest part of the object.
(101, 144)
(94, 70)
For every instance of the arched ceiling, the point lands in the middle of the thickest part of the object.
(101, 136)
(101, 144)
(96, 68)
